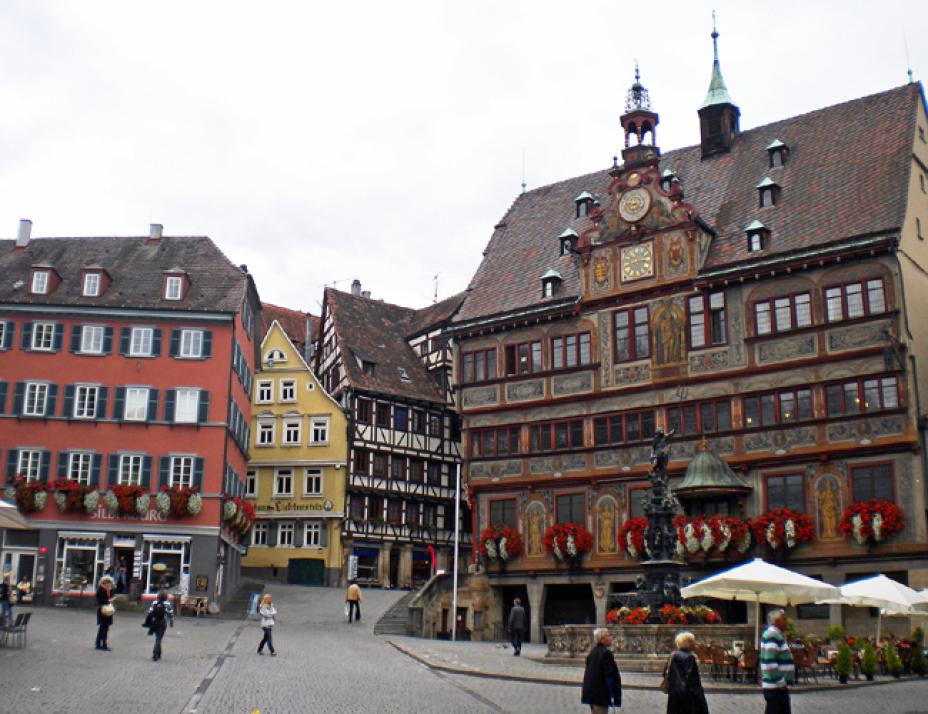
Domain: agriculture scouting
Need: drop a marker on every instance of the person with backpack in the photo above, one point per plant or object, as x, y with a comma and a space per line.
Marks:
268, 617
159, 615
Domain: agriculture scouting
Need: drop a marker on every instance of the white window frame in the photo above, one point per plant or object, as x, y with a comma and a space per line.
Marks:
287, 385
265, 391
141, 341
285, 527
29, 464
39, 282
190, 398
80, 466
312, 534
259, 533
92, 339
43, 337
319, 427
281, 474
173, 287
34, 397
181, 471
316, 476
131, 469
292, 433
190, 339
265, 433
251, 484
144, 393
91, 285
2, 332
86, 400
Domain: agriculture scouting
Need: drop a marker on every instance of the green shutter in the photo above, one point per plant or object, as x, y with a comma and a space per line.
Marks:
112, 474
12, 456
169, 405
62, 464
198, 472
102, 393
156, 342
59, 337
52, 400
164, 471
26, 342
3, 390
76, 337
107, 340
152, 413
146, 472
119, 403
174, 348
68, 410
46, 463
125, 335
95, 470
207, 344
203, 415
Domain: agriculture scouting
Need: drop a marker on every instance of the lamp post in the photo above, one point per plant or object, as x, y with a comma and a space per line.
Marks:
457, 538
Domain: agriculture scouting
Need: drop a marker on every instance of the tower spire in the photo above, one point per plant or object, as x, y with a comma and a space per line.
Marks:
718, 114
718, 92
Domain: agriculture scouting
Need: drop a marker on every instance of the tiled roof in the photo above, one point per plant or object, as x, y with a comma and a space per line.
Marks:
846, 175
135, 267
375, 331
293, 323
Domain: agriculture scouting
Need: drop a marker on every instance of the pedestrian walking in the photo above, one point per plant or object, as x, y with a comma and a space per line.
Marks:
105, 612
121, 584
776, 665
602, 683
6, 597
268, 617
516, 626
685, 694
159, 615
353, 601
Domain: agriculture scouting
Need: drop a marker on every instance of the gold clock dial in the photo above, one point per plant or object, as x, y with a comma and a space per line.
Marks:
634, 204
637, 261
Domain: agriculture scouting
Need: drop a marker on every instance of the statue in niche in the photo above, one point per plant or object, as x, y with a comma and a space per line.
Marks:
828, 509
669, 333
536, 527
607, 542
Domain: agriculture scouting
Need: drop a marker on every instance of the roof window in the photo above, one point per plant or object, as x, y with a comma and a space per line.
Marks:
91, 287
568, 241
550, 283
758, 236
275, 356
404, 376
39, 284
768, 192
777, 152
584, 203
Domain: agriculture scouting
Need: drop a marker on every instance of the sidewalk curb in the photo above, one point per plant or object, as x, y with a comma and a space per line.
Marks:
571, 683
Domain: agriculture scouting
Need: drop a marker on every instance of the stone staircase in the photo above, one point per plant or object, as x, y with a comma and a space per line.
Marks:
394, 621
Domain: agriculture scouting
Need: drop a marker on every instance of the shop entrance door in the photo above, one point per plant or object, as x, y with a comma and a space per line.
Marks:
394, 567
123, 562
305, 571
20, 563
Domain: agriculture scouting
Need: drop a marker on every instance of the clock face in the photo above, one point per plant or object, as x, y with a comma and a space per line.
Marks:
637, 261
634, 204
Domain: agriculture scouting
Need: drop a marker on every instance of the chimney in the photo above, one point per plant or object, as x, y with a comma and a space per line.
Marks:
154, 232
366, 294
25, 231
356, 287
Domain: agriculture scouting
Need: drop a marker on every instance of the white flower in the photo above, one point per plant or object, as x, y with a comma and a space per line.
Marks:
503, 553
60, 500
91, 501
745, 542
772, 535
632, 550
789, 530
557, 551
163, 503
491, 549
692, 545
858, 523
681, 549
110, 500
229, 510
571, 547
194, 504
707, 538
877, 524
40, 499
726, 538
142, 504
9, 493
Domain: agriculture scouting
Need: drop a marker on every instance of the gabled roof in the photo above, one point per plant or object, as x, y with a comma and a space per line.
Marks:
293, 322
376, 332
839, 156
136, 268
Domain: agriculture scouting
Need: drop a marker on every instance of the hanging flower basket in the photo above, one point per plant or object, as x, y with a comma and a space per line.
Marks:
568, 541
782, 529
126, 499
714, 536
112, 502
871, 522
194, 504
249, 516
500, 543
143, 504
229, 509
30, 496
91, 502
633, 538
174, 500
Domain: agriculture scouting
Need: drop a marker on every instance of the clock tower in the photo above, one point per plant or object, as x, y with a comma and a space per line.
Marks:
639, 123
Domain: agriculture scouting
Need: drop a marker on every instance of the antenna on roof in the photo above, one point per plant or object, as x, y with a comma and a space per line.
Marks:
908, 63
523, 170
435, 294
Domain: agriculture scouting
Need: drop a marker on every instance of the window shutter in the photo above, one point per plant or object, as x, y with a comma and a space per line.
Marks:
156, 342
298, 530
119, 403
207, 343
203, 415
46, 463
52, 400
107, 340
26, 342
8, 332
76, 337
68, 410
324, 534
272, 534
19, 394
175, 343
146, 472
3, 390
164, 470
102, 393
152, 413
95, 470
59, 337
169, 405
62, 464
198, 472
125, 335
11, 457
112, 476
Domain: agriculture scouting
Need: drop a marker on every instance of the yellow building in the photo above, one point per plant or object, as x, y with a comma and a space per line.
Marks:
296, 474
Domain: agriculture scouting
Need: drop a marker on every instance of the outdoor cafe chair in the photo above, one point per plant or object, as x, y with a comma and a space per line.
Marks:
747, 666
16, 631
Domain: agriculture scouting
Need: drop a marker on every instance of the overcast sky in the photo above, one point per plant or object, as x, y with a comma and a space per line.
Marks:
324, 141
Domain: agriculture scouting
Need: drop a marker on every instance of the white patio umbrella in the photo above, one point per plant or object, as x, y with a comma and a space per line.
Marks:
878, 591
10, 517
760, 582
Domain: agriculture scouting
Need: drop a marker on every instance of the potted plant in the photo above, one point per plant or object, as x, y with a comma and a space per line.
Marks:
918, 663
782, 529
632, 538
872, 522
843, 664
30, 496
568, 541
835, 633
893, 662
500, 543
868, 661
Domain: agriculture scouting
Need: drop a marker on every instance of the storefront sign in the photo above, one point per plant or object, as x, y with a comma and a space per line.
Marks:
137, 563
291, 507
104, 514
202, 583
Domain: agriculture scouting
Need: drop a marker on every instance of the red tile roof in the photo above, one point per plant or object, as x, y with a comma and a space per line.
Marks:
846, 175
293, 323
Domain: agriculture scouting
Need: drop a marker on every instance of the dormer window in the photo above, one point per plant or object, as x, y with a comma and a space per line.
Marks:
777, 152
404, 375
767, 190
757, 236
550, 283
367, 367
275, 356
39, 284
91, 284
667, 179
568, 240
173, 287
584, 203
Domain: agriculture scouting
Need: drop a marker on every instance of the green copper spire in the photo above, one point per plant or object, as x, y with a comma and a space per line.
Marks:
718, 92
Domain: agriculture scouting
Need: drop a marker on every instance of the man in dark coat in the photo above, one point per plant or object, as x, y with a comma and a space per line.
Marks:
602, 683
516, 626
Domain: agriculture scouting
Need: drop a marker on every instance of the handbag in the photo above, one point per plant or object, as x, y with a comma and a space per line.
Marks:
347, 610
107, 610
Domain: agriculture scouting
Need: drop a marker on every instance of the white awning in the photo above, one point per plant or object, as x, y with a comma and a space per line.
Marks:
166, 538
81, 535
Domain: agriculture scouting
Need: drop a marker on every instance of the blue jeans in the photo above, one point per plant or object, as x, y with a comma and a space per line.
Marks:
159, 633
354, 610
8, 611
268, 639
777, 701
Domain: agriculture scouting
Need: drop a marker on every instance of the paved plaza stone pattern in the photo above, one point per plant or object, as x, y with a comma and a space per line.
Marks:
324, 665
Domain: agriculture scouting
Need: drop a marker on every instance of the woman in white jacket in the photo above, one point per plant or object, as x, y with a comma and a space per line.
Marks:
268, 615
